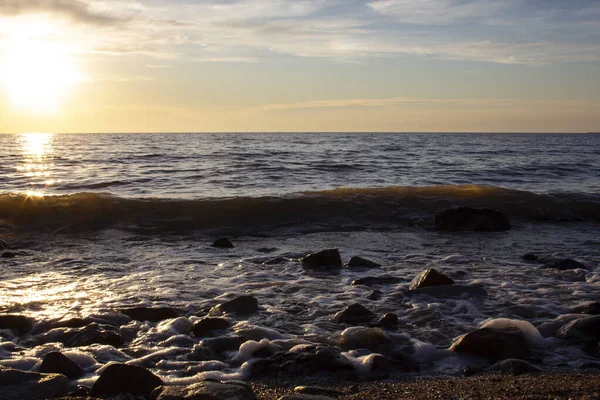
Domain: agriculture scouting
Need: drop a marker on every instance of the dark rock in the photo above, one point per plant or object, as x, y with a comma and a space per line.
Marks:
550, 328
377, 280
361, 262
382, 366
213, 348
19, 385
592, 308
19, 323
55, 362
450, 291
589, 365
223, 243
206, 390
361, 337
323, 258
80, 391
375, 295
152, 314
8, 254
471, 219
513, 366
3, 244
530, 257
430, 277
388, 321
584, 330
498, 344
354, 314
206, 326
318, 391
88, 335
241, 305
125, 379
565, 264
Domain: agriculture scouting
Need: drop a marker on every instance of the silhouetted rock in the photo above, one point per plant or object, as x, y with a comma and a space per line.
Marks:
513, 366
207, 390
361, 262
388, 321
223, 243
430, 277
354, 314
323, 258
125, 379
152, 314
564, 264
584, 330
18, 323
497, 344
19, 385
206, 326
471, 219
240, 305
377, 280
449, 291
8, 254
57, 363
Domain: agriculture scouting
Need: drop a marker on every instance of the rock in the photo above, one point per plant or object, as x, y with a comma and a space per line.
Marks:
240, 305
550, 328
85, 336
498, 344
530, 257
223, 243
213, 348
356, 262
592, 308
207, 390
377, 280
323, 258
55, 362
19, 385
361, 337
125, 379
318, 391
382, 366
450, 291
471, 219
584, 330
564, 264
8, 254
19, 323
430, 277
513, 366
354, 314
80, 391
208, 325
3, 244
375, 295
388, 321
152, 314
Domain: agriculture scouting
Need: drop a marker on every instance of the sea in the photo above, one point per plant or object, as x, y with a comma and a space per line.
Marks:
97, 223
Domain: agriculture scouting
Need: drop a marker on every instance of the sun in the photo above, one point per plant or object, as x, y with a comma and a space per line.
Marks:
37, 73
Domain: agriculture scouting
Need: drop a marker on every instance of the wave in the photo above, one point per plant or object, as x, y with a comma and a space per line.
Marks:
338, 209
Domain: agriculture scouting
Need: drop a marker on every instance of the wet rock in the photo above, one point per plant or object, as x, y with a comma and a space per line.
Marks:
450, 291
8, 254
240, 305
592, 308
318, 391
213, 348
513, 366
152, 314
377, 280
382, 367
354, 314
208, 325
323, 258
497, 344
564, 264
530, 257
207, 390
55, 362
388, 321
550, 328
115, 319
223, 243
375, 295
361, 337
85, 336
357, 262
430, 277
18, 323
125, 379
19, 385
3, 244
80, 391
471, 219
584, 330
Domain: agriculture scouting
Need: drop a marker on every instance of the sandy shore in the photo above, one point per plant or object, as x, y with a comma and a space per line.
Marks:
545, 386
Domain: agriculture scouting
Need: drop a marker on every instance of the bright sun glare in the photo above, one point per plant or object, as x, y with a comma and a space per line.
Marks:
36, 73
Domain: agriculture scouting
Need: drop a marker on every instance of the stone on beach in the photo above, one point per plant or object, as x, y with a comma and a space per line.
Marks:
388, 321
492, 343
471, 219
564, 264
206, 390
208, 325
584, 330
430, 277
361, 337
354, 314
323, 258
125, 379
357, 262
19, 385
223, 243
19, 323
241, 305
151, 314
58, 363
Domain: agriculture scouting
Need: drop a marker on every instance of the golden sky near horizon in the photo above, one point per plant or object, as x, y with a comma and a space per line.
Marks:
284, 65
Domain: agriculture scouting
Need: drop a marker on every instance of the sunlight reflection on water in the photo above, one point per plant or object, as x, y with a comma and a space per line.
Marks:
37, 155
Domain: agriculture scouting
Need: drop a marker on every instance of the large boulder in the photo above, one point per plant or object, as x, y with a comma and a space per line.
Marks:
57, 363
18, 323
471, 219
207, 390
19, 385
125, 379
241, 305
448, 292
323, 258
430, 277
357, 262
584, 330
497, 344
152, 314
354, 314
565, 264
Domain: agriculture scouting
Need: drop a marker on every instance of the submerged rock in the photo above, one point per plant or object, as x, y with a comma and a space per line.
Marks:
354, 314
85, 336
206, 390
356, 262
18, 323
55, 362
19, 385
213, 348
584, 330
375, 295
449, 291
564, 264
125, 379
152, 314
223, 243
208, 325
323, 258
492, 343
430, 277
241, 305
377, 280
471, 219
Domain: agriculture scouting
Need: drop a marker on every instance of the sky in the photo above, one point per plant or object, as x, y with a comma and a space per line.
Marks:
298, 65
